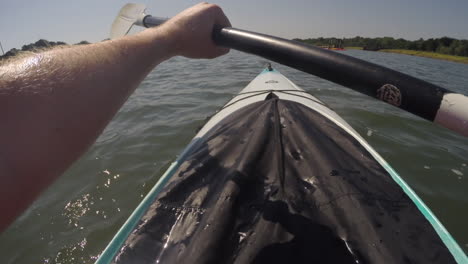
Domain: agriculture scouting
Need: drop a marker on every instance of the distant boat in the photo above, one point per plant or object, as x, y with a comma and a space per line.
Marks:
334, 45
336, 48
331, 48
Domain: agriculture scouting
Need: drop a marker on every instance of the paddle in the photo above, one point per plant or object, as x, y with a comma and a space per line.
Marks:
416, 96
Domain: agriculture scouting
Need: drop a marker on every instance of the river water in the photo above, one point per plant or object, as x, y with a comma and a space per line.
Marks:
77, 216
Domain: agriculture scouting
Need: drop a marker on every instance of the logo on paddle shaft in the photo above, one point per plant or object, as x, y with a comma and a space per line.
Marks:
390, 94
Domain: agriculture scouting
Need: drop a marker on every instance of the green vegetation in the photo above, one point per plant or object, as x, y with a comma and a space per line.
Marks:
445, 45
39, 45
428, 54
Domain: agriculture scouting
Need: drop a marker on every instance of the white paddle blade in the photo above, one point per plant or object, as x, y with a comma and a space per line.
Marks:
128, 15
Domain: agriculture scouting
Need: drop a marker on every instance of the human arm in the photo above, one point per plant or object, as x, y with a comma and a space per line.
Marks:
54, 105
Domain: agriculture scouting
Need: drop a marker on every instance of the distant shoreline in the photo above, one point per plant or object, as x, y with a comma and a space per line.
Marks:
425, 54
38, 46
444, 48
44, 45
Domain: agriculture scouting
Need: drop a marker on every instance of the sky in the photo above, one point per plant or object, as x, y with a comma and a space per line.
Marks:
26, 21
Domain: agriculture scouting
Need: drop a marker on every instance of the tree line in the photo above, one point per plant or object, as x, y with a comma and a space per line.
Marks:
40, 44
444, 45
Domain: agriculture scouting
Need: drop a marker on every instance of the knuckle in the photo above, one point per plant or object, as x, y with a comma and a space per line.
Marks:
215, 8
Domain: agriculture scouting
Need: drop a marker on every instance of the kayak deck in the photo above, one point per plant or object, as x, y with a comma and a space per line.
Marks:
258, 89
276, 176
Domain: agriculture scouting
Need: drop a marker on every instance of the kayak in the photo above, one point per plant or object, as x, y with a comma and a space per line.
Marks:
276, 176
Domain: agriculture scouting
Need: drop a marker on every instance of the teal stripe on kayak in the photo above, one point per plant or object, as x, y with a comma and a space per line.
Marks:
444, 235
447, 239
116, 243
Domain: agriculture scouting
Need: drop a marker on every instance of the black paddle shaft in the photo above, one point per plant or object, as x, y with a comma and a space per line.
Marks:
406, 92
411, 94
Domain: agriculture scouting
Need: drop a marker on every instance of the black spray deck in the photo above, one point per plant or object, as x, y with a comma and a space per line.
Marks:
277, 182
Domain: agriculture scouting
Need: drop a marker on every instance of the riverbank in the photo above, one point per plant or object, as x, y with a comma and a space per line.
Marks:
432, 55
427, 54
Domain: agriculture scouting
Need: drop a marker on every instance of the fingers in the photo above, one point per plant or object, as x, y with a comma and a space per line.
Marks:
220, 20
192, 30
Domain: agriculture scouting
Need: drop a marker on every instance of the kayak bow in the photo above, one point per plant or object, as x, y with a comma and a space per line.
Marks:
277, 176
